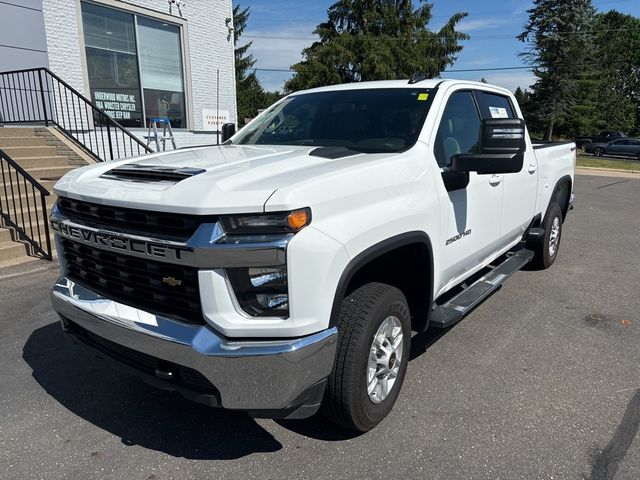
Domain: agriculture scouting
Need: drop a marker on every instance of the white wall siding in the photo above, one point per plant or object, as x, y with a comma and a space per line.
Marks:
63, 41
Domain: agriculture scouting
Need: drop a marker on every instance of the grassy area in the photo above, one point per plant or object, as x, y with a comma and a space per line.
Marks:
588, 161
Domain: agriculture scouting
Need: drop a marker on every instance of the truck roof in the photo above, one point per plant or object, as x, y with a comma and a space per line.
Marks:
429, 83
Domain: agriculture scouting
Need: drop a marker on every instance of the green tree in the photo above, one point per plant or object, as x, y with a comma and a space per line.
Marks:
376, 40
561, 33
617, 99
249, 93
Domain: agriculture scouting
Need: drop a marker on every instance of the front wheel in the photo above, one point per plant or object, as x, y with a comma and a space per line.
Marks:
598, 152
546, 249
374, 330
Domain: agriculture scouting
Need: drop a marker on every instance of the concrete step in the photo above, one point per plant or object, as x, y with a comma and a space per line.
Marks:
48, 184
16, 212
35, 162
10, 235
23, 141
14, 251
48, 173
18, 152
28, 264
26, 198
17, 132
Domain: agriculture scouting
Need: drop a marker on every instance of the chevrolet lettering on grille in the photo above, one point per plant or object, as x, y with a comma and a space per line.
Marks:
121, 243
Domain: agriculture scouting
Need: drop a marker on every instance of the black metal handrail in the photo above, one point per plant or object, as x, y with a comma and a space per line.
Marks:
23, 206
38, 95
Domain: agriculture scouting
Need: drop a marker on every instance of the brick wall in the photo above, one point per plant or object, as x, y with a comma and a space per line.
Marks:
209, 45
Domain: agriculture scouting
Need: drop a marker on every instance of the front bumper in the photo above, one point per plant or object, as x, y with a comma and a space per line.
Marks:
261, 376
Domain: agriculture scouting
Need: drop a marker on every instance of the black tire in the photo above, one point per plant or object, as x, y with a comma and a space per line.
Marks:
347, 401
543, 257
598, 152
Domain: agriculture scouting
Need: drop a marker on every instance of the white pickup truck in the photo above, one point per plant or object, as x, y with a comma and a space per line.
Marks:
284, 270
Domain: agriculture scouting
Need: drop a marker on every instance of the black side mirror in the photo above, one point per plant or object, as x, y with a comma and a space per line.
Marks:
228, 131
501, 149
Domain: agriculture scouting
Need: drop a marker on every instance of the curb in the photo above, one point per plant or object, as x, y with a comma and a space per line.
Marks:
602, 169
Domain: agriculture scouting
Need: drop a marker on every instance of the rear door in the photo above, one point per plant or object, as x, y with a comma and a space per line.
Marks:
470, 215
520, 189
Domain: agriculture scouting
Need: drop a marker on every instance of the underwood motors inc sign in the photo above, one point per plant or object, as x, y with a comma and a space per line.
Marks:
213, 120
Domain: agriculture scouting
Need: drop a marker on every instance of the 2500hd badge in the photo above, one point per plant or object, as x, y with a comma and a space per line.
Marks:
466, 233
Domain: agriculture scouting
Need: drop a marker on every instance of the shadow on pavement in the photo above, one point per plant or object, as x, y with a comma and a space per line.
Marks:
136, 412
142, 415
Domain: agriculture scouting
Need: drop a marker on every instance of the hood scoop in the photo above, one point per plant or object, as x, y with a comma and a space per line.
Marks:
151, 173
333, 153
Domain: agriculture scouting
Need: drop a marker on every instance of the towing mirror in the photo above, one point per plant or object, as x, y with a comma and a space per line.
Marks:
501, 149
228, 131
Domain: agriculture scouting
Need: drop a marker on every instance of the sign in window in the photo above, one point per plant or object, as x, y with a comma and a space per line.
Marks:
134, 65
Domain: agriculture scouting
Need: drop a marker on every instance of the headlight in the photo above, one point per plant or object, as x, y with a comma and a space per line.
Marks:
281, 222
261, 292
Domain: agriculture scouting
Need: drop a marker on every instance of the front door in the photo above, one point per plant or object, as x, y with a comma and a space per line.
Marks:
521, 188
470, 216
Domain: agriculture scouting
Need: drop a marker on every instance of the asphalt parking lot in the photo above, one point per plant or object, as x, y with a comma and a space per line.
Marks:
541, 381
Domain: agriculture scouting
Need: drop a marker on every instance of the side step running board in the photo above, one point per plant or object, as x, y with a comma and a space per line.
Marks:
456, 308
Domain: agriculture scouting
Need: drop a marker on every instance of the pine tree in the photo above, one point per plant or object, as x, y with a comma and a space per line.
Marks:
376, 40
560, 32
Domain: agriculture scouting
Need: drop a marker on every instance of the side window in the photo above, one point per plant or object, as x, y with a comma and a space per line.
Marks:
459, 130
494, 106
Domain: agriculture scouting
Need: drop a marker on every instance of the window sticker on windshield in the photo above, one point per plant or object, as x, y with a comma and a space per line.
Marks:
423, 97
498, 112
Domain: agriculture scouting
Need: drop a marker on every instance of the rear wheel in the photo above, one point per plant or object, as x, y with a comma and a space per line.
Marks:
598, 152
546, 249
371, 359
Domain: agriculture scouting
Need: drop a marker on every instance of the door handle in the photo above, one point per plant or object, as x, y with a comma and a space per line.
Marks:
495, 180
532, 168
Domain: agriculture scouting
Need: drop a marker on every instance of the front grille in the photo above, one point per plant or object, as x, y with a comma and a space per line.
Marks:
169, 226
136, 282
184, 376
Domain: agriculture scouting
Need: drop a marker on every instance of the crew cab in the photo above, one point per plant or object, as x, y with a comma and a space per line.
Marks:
283, 271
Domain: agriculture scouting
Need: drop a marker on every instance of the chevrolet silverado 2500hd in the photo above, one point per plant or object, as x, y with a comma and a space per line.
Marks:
284, 270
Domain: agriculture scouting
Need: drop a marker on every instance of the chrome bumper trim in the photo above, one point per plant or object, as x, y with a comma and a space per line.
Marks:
209, 247
250, 375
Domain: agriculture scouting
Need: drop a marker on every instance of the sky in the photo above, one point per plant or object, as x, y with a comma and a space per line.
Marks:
281, 29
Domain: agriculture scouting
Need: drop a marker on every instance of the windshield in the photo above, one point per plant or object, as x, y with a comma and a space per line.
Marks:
370, 121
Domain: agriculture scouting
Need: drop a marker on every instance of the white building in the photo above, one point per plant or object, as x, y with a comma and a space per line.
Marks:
136, 59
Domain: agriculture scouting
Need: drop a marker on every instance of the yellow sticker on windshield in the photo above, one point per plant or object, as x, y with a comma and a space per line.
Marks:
423, 97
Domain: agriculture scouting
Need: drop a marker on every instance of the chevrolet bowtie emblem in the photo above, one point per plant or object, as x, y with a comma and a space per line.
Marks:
172, 282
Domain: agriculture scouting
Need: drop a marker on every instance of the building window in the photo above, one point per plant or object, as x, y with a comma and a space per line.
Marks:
134, 65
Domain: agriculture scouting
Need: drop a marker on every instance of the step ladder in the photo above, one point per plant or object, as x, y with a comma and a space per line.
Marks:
453, 310
167, 133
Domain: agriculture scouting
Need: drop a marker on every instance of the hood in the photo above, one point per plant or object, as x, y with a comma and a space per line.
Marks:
210, 180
